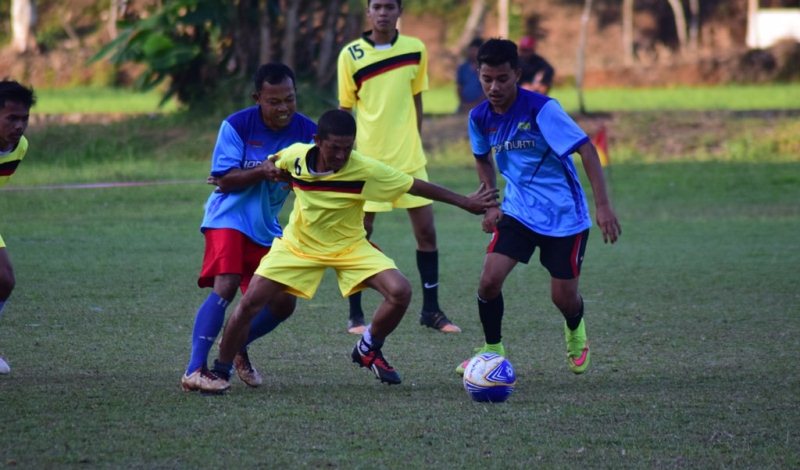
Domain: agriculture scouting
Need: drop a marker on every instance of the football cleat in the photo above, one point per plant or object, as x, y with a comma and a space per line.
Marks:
245, 370
486, 348
577, 348
4, 367
204, 380
375, 361
438, 321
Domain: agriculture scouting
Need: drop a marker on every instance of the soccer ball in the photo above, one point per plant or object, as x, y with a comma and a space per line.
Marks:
489, 377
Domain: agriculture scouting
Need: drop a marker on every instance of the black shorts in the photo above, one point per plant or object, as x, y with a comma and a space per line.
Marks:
562, 256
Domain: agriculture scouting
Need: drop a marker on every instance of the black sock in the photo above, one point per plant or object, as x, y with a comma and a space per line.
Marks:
428, 265
222, 369
356, 312
491, 313
574, 321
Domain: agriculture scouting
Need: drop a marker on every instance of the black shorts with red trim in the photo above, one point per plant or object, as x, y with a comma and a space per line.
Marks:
561, 256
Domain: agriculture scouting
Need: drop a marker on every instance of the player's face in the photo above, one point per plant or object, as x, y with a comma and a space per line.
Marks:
499, 84
334, 150
383, 15
278, 103
13, 122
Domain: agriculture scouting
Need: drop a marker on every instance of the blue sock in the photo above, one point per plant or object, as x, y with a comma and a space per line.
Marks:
207, 325
262, 324
2, 304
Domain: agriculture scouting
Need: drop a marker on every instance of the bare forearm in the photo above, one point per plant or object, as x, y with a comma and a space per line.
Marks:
594, 171
236, 180
418, 107
437, 193
486, 174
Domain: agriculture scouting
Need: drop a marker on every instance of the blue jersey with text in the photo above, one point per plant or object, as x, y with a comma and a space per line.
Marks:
532, 144
244, 142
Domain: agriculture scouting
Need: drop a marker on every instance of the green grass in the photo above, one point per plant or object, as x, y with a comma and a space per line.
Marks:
443, 100
692, 317
92, 100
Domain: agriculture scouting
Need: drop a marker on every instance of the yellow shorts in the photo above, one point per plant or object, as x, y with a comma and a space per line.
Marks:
406, 201
302, 274
2, 243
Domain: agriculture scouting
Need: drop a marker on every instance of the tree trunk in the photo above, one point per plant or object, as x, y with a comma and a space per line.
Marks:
627, 31
680, 21
326, 63
473, 26
694, 25
587, 11
290, 33
116, 10
264, 33
502, 18
23, 17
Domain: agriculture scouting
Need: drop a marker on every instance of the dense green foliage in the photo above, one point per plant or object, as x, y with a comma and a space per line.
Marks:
180, 42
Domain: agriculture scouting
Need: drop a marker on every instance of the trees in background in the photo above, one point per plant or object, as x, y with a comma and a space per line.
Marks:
195, 46
23, 18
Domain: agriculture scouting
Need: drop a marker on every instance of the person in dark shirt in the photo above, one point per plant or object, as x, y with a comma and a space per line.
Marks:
537, 73
470, 93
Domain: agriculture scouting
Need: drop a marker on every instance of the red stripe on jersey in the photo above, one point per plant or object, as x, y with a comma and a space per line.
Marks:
351, 187
388, 68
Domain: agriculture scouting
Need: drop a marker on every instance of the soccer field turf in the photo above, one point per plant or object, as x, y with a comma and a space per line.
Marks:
692, 317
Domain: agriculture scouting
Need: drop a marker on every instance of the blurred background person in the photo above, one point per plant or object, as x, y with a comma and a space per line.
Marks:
470, 93
537, 73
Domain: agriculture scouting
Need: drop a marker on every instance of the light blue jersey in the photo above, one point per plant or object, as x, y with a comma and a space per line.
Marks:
244, 142
533, 143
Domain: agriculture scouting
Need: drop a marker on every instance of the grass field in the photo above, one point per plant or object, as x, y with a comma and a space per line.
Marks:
441, 99
692, 315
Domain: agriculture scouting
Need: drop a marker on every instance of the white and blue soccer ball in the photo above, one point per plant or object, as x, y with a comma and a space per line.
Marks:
489, 377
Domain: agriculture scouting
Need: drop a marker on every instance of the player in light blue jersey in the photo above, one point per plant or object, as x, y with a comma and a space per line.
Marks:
531, 139
241, 217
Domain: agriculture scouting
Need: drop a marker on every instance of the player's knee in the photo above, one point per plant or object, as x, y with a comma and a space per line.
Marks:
568, 304
489, 287
426, 237
283, 306
399, 294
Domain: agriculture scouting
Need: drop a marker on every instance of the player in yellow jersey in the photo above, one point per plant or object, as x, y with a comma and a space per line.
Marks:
381, 77
15, 105
331, 182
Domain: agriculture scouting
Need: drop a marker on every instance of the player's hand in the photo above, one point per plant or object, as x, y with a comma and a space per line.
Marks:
490, 219
482, 199
273, 173
608, 223
212, 180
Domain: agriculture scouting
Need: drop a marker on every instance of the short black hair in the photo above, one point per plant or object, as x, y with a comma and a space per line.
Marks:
273, 73
497, 52
336, 122
11, 90
476, 42
399, 3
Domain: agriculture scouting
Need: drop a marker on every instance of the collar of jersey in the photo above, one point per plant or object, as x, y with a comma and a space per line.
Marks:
367, 34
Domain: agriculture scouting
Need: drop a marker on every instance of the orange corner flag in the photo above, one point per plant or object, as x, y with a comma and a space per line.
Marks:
600, 141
